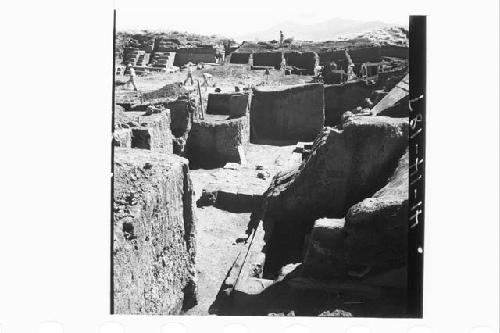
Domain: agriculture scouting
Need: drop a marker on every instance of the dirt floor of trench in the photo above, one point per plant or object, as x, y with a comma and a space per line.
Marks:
218, 230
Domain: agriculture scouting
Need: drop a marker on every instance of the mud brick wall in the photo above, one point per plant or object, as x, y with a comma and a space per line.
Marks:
340, 98
230, 104
289, 113
267, 59
239, 58
394, 51
344, 167
153, 234
213, 144
303, 60
194, 55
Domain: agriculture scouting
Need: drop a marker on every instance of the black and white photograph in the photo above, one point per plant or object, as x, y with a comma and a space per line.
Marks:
239, 167
265, 174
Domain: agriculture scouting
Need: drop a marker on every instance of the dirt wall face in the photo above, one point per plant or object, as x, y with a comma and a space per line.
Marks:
170, 90
181, 112
340, 98
303, 60
194, 55
338, 57
376, 228
365, 54
240, 57
153, 234
344, 167
230, 104
396, 102
289, 113
213, 144
136, 130
373, 234
267, 59
394, 51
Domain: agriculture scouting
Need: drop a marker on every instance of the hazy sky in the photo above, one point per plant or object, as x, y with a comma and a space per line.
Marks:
235, 18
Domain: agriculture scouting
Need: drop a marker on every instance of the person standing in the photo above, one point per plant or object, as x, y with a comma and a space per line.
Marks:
132, 76
207, 80
189, 75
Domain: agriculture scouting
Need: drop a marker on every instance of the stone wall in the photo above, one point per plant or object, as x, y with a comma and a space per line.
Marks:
287, 113
344, 167
267, 59
153, 234
212, 144
230, 104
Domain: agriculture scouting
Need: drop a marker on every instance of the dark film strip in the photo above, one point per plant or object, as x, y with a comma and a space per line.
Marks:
111, 305
417, 103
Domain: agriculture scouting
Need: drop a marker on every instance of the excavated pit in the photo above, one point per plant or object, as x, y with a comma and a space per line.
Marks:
213, 142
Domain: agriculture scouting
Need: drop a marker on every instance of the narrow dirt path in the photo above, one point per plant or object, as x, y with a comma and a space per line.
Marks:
217, 231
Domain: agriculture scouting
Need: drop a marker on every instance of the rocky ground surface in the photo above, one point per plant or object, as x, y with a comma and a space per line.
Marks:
224, 78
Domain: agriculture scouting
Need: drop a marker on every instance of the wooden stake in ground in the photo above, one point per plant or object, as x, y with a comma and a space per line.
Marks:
202, 113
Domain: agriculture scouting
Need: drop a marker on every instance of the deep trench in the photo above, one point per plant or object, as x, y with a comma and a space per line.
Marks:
282, 247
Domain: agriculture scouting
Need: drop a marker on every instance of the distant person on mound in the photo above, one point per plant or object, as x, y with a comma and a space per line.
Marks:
266, 74
207, 78
132, 76
189, 76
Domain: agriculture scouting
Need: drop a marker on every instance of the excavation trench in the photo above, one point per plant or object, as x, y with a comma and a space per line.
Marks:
264, 169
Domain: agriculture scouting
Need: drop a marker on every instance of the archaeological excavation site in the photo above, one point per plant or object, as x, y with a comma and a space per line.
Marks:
260, 178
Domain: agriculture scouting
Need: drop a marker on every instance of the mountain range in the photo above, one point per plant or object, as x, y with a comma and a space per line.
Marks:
327, 30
